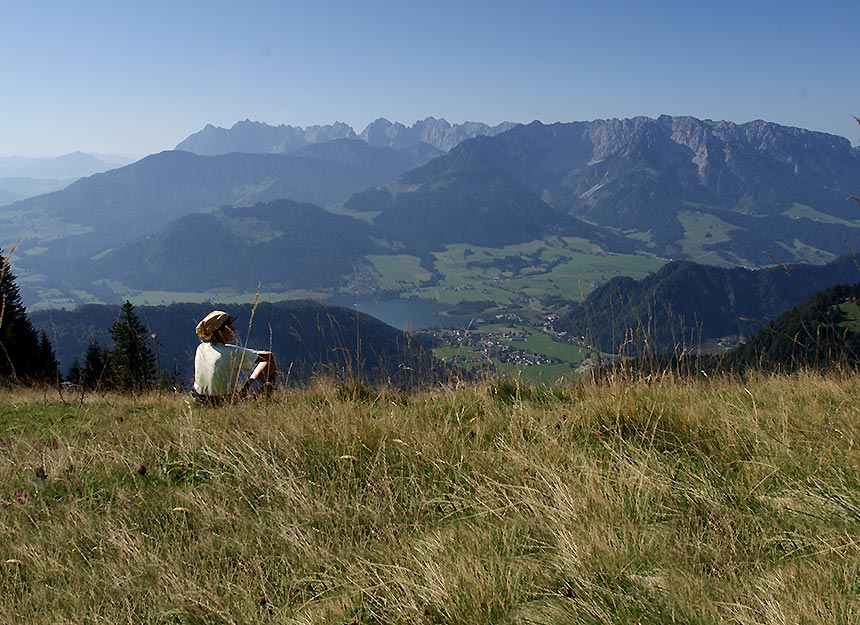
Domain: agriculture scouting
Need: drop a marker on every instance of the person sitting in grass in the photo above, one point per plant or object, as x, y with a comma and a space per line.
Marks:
219, 364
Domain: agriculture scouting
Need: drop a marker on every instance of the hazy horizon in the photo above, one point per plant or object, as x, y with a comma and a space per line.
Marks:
131, 80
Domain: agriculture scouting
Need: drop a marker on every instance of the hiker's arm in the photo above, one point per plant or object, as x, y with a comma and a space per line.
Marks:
266, 368
261, 356
265, 356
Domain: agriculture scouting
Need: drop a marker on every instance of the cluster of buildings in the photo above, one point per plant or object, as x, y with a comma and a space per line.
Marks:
489, 345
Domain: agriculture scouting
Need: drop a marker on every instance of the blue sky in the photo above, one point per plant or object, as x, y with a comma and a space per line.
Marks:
137, 78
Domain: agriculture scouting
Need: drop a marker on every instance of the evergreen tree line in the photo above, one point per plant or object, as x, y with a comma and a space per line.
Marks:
28, 358
129, 365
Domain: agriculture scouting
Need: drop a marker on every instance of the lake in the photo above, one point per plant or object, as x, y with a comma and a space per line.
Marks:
403, 314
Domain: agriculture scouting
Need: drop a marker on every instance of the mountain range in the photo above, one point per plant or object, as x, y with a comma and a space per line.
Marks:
692, 188
72, 165
676, 187
58, 230
261, 138
14, 189
23, 177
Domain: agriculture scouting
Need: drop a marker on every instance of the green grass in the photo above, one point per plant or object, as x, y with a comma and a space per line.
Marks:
803, 211
399, 271
542, 374
564, 267
701, 229
543, 343
808, 254
851, 310
661, 501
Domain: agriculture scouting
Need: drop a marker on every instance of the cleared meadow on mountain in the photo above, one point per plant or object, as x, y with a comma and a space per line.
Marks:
629, 500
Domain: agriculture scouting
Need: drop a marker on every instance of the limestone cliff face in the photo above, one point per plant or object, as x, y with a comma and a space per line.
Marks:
260, 138
436, 132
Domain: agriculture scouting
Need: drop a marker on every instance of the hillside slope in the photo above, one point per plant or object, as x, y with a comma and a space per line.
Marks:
685, 304
97, 213
277, 244
707, 501
821, 333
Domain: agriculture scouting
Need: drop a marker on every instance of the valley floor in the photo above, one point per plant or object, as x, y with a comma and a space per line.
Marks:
625, 501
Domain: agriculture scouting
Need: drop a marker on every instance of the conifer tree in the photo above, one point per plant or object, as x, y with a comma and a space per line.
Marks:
94, 366
131, 363
46, 368
19, 343
76, 373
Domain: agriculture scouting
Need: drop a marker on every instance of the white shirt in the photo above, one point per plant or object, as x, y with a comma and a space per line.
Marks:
217, 368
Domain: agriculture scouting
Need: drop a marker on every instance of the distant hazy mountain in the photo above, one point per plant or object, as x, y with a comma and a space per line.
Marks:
260, 138
107, 210
7, 196
22, 188
74, 165
277, 243
685, 304
682, 186
436, 132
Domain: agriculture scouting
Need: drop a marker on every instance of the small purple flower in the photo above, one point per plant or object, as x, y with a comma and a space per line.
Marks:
21, 496
141, 469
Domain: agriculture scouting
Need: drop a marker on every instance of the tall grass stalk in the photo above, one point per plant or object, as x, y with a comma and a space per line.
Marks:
630, 500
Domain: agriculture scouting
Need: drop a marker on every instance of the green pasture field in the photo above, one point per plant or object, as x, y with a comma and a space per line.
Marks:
851, 310
543, 343
365, 216
399, 271
554, 266
808, 254
460, 356
541, 374
697, 227
803, 211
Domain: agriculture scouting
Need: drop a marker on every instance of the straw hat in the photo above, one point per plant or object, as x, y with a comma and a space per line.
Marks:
213, 322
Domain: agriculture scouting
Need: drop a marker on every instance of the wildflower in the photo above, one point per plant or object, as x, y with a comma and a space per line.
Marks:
141, 469
21, 496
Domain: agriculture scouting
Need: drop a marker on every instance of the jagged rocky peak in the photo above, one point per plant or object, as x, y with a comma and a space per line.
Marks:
383, 133
337, 130
259, 137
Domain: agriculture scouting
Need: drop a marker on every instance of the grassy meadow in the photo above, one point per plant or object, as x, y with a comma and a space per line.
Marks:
621, 501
